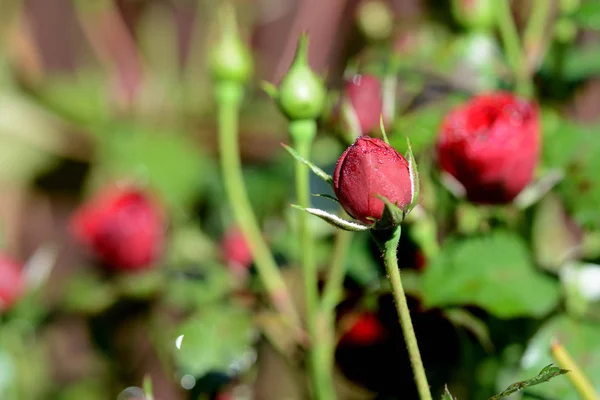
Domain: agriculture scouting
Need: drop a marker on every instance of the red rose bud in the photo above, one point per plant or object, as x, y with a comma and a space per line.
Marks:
123, 227
491, 146
366, 330
368, 168
235, 249
361, 104
11, 282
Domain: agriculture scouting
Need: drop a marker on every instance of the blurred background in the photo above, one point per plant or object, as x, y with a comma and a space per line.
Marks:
97, 93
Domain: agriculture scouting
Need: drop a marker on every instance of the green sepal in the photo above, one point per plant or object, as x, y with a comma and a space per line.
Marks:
414, 178
392, 215
318, 171
327, 196
383, 133
334, 220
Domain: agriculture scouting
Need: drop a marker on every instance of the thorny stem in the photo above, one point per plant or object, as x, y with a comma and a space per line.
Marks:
303, 133
229, 96
388, 241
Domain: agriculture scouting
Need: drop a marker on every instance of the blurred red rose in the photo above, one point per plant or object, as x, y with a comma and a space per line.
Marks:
366, 330
123, 227
368, 168
235, 249
361, 105
491, 146
11, 282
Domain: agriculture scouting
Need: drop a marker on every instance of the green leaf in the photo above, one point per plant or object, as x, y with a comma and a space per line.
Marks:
471, 323
545, 375
581, 187
493, 272
554, 241
588, 15
87, 293
142, 285
198, 285
580, 338
83, 98
219, 338
447, 395
169, 162
577, 63
561, 139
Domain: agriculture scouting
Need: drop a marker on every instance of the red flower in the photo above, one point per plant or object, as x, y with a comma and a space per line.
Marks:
235, 249
491, 146
123, 227
361, 104
11, 282
368, 168
366, 330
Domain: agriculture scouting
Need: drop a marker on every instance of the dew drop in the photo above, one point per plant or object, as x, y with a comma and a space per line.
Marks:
178, 342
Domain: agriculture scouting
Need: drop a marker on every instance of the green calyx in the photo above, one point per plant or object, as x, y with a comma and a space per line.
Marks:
301, 94
230, 59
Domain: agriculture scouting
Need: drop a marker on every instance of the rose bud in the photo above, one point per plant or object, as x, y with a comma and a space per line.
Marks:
361, 105
235, 249
366, 330
123, 227
491, 146
11, 282
368, 168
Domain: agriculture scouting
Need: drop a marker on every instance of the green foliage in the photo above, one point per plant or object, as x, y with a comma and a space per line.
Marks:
547, 373
215, 339
86, 292
553, 240
195, 285
582, 341
588, 15
447, 395
493, 272
168, 161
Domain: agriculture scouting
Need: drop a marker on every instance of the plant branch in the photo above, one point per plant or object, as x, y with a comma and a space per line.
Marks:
229, 96
388, 241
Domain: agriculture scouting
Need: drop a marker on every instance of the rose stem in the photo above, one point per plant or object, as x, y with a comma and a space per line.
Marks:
303, 133
229, 97
576, 376
388, 241
512, 48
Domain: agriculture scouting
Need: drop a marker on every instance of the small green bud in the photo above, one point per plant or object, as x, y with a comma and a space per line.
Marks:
301, 94
475, 14
375, 19
230, 59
